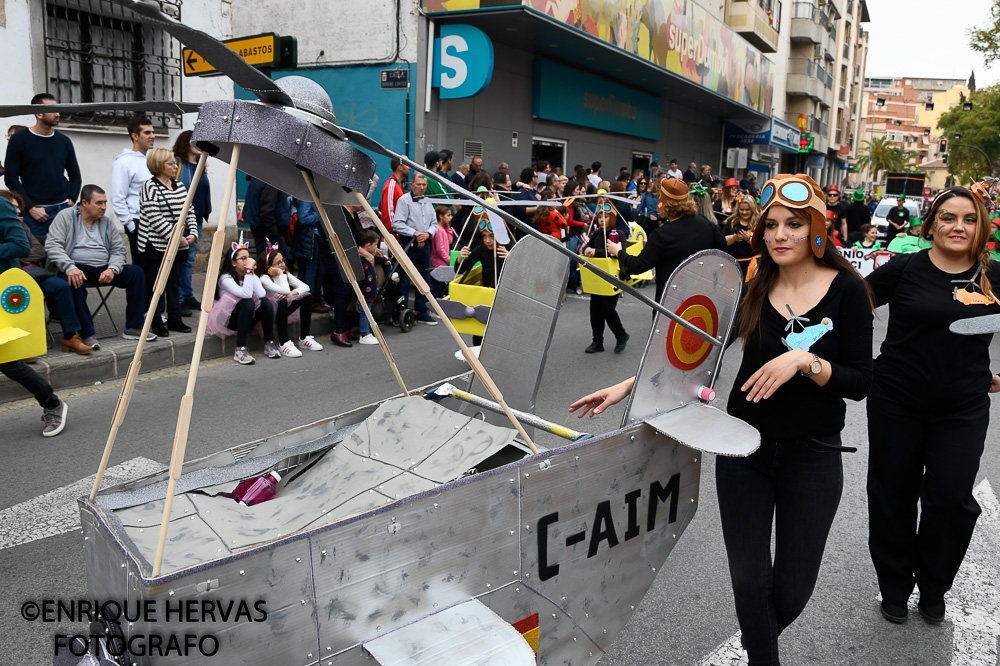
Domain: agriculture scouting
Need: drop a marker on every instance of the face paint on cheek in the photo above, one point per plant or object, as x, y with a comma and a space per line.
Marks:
767, 238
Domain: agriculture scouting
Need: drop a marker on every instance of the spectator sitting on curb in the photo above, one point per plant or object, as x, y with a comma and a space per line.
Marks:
57, 291
87, 250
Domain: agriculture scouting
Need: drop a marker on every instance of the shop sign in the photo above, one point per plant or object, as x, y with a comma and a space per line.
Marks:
463, 61
567, 95
844, 150
678, 36
815, 161
743, 132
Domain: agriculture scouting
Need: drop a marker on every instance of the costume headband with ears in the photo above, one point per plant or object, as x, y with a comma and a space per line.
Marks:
800, 192
239, 246
269, 250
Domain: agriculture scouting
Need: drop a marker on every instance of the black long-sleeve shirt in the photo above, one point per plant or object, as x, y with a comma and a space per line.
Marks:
922, 363
671, 243
42, 169
485, 256
801, 408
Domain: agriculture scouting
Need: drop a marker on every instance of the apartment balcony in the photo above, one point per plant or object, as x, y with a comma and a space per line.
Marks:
808, 77
749, 18
811, 24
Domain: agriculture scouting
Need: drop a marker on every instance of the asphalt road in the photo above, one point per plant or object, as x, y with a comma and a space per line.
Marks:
686, 615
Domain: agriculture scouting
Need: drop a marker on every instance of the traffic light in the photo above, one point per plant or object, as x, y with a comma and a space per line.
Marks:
944, 158
943, 146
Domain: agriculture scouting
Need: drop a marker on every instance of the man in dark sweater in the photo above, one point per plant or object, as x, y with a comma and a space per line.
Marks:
41, 166
858, 215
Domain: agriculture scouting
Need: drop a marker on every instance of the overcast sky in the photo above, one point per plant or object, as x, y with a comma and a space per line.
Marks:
927, 38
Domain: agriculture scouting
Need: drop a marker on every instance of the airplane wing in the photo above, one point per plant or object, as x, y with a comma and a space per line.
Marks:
9, 334
705, 428
976, 325
466, 634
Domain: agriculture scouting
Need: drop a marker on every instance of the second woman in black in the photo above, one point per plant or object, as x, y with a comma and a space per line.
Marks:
929, 408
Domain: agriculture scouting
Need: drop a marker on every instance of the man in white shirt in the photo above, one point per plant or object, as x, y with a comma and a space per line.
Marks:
595, 174
674, 171
128, 173
415, 221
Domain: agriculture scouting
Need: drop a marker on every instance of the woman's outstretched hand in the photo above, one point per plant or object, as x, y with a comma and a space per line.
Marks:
597, 402
995, 384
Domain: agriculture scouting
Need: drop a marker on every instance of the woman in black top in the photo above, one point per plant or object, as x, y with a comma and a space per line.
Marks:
682, 233
791, 386
738, 230
928, 412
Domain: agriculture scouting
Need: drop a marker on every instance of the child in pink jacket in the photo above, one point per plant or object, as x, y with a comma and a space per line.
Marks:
441, 248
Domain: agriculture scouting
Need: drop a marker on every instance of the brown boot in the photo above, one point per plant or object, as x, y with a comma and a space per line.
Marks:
340, 339
318, 305
75, 344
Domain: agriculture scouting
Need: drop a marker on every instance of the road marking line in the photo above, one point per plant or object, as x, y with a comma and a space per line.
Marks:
56, 512
730, 653
973, 605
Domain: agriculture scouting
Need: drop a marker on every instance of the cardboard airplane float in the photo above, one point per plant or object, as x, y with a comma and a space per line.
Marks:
414, 530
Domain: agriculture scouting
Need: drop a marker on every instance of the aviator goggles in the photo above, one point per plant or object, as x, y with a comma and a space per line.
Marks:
791, 193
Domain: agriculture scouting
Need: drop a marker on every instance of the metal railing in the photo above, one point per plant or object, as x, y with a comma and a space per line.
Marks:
96, 51
811, 68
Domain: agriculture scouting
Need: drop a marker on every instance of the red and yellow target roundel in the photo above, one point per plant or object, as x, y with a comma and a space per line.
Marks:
685, 349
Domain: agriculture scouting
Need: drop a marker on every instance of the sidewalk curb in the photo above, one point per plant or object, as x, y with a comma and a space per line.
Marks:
65, 370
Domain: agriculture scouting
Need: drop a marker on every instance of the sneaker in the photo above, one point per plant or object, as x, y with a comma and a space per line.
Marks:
368, 339
427, 319
185, 311
192, 302
620, 343
271, 350
75, 344
309, 342
594, 347
931, 611
136, 334
290, 350
55, 420
91, 341
895, 613
243, 357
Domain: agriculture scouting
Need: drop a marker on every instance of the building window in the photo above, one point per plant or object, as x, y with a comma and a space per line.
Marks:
96, 51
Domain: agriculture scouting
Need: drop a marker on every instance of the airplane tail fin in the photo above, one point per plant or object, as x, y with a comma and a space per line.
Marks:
677, 374
523, 321
22, 316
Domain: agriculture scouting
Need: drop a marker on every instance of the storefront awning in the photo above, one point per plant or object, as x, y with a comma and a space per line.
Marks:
728, 78
767, 132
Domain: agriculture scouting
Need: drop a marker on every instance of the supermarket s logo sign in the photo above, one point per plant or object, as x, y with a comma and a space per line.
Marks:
463, 61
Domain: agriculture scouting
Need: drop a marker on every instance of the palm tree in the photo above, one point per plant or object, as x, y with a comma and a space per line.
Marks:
880, 155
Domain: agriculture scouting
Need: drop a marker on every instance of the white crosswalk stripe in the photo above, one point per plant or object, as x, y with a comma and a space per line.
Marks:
56, 512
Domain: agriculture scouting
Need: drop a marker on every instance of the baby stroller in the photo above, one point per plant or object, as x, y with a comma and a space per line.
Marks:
386, 308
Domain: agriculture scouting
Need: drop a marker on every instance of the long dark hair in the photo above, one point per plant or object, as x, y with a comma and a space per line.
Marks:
984, 230
748, 318
182, 146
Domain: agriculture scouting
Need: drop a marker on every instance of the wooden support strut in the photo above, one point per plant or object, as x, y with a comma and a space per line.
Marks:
161, 281
421, 285
338, 249
187, 402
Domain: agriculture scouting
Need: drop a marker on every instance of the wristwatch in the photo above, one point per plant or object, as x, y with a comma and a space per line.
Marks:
814, 368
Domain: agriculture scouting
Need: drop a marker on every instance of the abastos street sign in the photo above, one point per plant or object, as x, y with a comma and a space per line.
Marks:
258, 50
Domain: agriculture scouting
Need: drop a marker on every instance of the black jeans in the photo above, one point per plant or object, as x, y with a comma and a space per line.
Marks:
603, 309
19, 372
931, 456
152, 259
304, 306
798, 485
244, 316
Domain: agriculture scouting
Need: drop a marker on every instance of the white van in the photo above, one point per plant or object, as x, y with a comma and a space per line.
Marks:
883, 208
